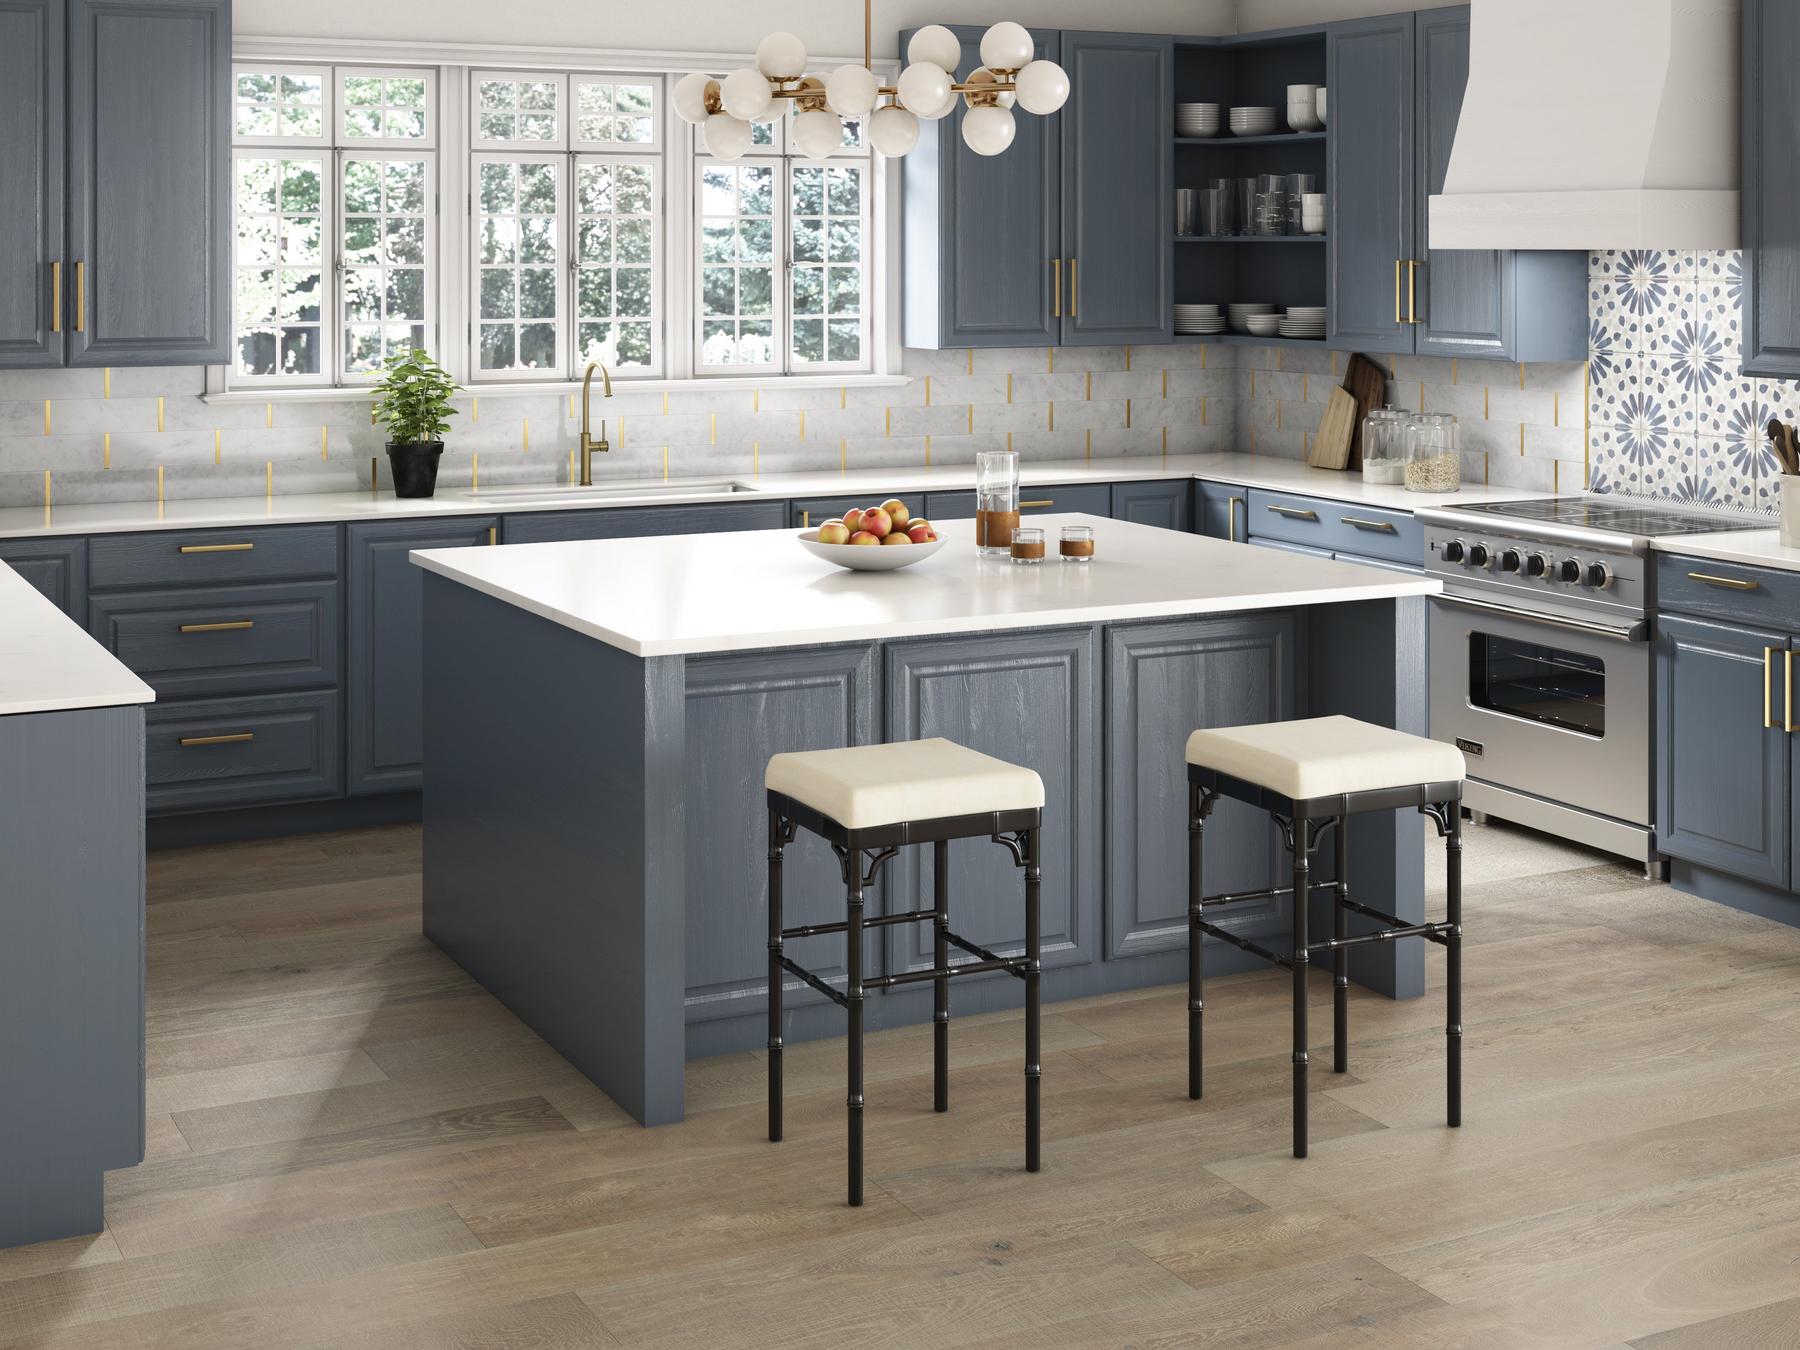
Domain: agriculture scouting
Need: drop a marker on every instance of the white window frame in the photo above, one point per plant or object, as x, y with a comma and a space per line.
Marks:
340, 131
558, 372
661, 111
413, 150
660, 336
321, 73
324, 378
479, 143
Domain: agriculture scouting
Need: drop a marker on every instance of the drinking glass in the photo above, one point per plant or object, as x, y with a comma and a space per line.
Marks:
996, 501
1028, 545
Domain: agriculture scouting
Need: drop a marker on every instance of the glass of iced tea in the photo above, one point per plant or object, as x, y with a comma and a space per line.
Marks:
1076, 544
1028, 544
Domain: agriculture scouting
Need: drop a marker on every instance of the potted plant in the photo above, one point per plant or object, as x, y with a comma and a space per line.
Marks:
415, 395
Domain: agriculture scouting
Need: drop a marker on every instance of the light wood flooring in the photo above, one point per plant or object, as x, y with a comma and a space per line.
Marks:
352, 1146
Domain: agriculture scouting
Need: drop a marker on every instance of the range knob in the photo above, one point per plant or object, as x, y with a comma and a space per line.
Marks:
1569, 569
1599, 575
1537, 565
1510, 560
1454, 549
1479, 555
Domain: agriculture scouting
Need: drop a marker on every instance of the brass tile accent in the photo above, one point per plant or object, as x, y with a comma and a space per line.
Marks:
843, 396
1521, 438
475, 408
1088, 449
1165, 442
159, 413
375, 477
1484, 402
887, 421
1051, 425
46, 417
1165, 383
1521, 374
803, 424
106, 451
1334, 363
269, 478
268, 414
971, 360
475, 472
712, 428
159, 484
755, 458
1305, 387
1008, 398
1203, 410
665, 403
106, 382
571, 468
1556, 475
1089, 392
1278, 425
371, 414
665, 464
1009, 440
1421, 396
843, 454
525, 436
571, 405
619, 431
46, 489
1453, 370
219, 446
1128, 412
324, 442
1203, 358
1280, 359
928, 388
1252, 381
1050, 362
1128, 358
756, 400
971, 419
928, 438
1556, 407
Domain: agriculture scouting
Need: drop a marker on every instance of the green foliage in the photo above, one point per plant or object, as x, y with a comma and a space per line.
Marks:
415, 398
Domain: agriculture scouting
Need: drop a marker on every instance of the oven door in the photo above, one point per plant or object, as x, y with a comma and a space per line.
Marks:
1552, 706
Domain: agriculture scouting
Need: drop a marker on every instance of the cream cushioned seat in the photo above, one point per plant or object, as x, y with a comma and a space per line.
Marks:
861, 786
1324, 756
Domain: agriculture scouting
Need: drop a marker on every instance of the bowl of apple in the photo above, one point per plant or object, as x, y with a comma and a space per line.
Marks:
874, 538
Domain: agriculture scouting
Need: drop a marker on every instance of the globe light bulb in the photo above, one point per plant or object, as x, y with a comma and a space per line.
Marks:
982, 75
936, 45
893, 131
781, 56
689, 96
1043, 87
1006, 46
746, 95
816, 133
925, 90
727, 137
988, 131
851, 90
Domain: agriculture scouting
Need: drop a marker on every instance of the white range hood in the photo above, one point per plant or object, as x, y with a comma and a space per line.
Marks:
1595, 124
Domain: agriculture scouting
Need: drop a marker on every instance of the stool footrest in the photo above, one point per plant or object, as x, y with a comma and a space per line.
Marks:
1272, 893
793, 967
879, 921
1434, 932
1012, 965
1254, 948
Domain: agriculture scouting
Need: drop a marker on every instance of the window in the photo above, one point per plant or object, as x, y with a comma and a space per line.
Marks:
336, 218
783, 252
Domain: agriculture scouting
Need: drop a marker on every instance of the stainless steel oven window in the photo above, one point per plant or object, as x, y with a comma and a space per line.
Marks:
1538, 683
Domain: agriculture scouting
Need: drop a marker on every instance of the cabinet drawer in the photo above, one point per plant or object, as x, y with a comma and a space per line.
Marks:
1094, 499
224, 639
812, 512
1338, 526
203, 557
1721, 590
240, 751
629, 522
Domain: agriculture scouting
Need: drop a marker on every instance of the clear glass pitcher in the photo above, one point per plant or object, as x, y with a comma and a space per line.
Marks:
996, 501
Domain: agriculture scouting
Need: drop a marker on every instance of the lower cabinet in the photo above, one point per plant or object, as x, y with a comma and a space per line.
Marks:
1282, 547
385, 622
626, 522
811, 512
1221, 511
1166, 505
242, 751
56, 567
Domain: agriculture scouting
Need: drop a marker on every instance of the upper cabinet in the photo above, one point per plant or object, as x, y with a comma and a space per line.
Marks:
115, 115
1062, 240
1770, 189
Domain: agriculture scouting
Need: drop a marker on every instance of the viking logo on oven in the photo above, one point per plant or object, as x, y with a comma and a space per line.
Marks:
1468, 747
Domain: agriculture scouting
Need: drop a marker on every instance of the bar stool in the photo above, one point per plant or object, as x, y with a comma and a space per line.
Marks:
929, 791
1311, 775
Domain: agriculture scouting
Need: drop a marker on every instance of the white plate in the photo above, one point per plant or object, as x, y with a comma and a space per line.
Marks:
866, 557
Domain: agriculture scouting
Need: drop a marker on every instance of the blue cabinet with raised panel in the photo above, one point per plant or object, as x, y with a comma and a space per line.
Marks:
56, 567
626, 522
1770, 201
32, 171
1166, 505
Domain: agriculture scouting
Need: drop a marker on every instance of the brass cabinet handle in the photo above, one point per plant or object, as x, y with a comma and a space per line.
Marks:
1231, 510
1412, 296
1294, 513
233, 626
217, 548
1056, 288
1731, 583
493, 535
81, 297
1041, 502
1787, 681
1397, 265
1768, 710
1074, 288
231, 739
805, 519
1379, 526
56, 297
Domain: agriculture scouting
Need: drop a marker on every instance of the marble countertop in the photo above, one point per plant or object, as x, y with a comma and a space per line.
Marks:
48, 663
690, 594
25, 522
1754, 548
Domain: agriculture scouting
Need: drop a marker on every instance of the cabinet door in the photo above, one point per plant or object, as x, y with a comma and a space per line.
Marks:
1721, 770
1160, 504
980, 233
631, 522
1770, 150
149, 182
386, 623
57, 567
31, 168
1223, 510
1370, 177
1117, 169
1464, 297
811, 512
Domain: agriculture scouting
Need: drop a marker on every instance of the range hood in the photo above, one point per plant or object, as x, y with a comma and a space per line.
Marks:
1595, 124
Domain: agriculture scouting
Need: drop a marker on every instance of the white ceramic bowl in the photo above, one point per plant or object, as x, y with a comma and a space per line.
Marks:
1263, 325
866, 557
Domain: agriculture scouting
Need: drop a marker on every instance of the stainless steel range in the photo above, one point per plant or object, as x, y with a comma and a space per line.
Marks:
1540, 658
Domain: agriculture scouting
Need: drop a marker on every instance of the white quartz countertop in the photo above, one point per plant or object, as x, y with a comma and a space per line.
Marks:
690, 594
48, 663
1261, 471
1755, 548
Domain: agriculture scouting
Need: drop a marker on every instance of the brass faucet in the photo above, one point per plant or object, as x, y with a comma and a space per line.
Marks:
588, 443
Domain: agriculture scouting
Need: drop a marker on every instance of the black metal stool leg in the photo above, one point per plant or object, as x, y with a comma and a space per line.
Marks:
1453, 960
1340, 975
776, 975
1033, 1010
940, 1009
1196, 939
1302, 890
855, 962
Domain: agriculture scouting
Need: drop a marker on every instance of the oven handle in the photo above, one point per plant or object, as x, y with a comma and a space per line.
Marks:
1637, 632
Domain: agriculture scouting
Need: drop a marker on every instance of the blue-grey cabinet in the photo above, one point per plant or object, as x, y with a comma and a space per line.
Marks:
56, 567
628, 522
1722, 754
385, 611
1220, 511
148, 272
811, 512
1769, 147
1166, 505
32, 170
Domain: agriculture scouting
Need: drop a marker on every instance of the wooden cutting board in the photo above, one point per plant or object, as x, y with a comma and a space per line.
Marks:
1331, 443
1367, 383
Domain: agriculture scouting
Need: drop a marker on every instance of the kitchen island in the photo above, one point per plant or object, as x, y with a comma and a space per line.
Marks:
598, 714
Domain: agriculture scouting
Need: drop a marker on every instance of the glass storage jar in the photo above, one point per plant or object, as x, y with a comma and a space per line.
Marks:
1383, 446
1432, 461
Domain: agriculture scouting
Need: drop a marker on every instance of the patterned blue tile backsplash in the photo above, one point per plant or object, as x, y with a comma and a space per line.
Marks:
1669, 413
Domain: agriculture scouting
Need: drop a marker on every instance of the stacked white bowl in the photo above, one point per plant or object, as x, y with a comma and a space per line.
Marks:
1303, 321
1196, 119
1198, 319
1252, 121
1302, 107
1263, 325
1241, 314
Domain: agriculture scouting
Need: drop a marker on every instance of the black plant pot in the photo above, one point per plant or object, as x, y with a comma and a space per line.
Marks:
415, 467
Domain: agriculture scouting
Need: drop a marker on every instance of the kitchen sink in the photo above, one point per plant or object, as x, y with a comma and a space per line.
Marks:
568, 492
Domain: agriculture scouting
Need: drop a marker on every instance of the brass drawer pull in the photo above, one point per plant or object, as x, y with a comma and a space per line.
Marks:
1074, 287
81, 297
1731, 583
218, 627
232, 739
1056, 288
1398, 263
1042, 502
1787, 680
1768, 709
1412, 295
1379, 526
217, 548
56, 297
805, 519
1294, 513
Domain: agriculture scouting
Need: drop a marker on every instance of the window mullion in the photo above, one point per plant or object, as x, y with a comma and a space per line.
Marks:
784, 263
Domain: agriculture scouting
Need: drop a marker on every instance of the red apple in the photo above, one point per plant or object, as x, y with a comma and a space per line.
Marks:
920, 532
876, 521
898, 537
863, 537
897, 512
853, 518
834, 532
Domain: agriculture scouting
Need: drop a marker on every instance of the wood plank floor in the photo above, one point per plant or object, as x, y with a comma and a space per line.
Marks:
351, 1145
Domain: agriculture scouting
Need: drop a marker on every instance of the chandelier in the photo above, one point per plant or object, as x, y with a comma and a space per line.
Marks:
927, 88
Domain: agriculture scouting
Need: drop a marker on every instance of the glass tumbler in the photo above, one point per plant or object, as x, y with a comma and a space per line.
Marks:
1076, 544
1028, 544
996, 501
